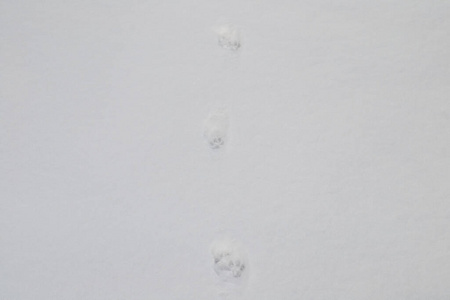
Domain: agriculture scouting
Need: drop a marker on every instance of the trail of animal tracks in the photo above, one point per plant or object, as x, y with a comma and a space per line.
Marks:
224, 150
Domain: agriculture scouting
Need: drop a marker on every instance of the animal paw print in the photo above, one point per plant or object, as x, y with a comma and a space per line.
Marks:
228, 265
216, 142
229, 37
215, 131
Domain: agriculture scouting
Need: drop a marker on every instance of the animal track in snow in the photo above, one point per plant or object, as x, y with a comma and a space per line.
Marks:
229, 37
216, 127
227, 264
216, 140
230, 264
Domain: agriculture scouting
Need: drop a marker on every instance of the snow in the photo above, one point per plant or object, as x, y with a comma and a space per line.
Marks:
332, 180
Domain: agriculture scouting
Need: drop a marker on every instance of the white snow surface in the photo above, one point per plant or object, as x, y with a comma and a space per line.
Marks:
334, 178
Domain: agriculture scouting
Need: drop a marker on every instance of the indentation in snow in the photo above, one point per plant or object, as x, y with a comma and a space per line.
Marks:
230, 264
216, 127
229, 37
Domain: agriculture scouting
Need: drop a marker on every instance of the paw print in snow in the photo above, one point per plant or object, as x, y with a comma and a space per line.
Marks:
229, 37
230, 262
227, 264
216, 127
216, 142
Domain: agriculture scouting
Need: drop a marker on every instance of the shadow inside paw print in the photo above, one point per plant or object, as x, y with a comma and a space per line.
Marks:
216, 142
229, 43
227, 265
